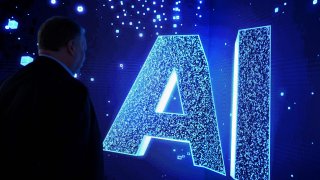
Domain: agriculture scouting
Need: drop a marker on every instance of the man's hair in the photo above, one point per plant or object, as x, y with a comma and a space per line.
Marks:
56, 32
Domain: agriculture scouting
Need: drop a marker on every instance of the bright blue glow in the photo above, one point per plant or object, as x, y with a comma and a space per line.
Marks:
251, 101
234, 108
276, 10
312, 93
53, 2
91, 79
80, 8
315, 2
25, 60
12, 24
172, 60
282, 94
167, 93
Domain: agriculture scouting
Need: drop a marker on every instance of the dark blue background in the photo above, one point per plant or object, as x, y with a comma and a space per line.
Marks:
295, 133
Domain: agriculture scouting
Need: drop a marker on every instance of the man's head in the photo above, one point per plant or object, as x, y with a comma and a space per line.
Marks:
64, 40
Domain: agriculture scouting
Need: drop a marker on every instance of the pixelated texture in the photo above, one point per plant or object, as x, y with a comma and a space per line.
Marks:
137, 116
253, 115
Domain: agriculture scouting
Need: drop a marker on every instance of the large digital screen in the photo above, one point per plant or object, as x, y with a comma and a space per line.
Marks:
191, 89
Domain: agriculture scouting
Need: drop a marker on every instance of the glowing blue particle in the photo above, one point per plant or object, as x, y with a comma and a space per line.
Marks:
312, 93
25, 60
121, 66
179, 157
158, 16
250, 138
276, 10
315, 2
80, 8
75, 75
53, 2
140, 34
112, 7
179, 59
174, 26
291, 176
282, 94
12, 24
117, 31
285, 3
289, 108
91, 79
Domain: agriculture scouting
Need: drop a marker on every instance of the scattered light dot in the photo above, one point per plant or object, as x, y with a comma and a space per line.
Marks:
91, 79
117, 31
140, 34
107, 115
315, 2
282, 94
312, 93
53, 2
292, 175
289, 108
25, 60
80, 8
276, 10
121, 66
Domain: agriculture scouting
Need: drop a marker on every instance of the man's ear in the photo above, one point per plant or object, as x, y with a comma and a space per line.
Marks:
71, 47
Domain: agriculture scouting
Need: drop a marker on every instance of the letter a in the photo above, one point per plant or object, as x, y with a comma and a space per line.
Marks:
173, 60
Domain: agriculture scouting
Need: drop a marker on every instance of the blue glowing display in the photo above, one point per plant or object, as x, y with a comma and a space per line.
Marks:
25, 60
12, 24
173, 61
250, 142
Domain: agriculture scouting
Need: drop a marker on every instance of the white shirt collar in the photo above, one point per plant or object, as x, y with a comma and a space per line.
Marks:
59, 62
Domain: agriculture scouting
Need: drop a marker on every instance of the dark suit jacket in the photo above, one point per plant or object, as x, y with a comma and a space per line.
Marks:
48, 127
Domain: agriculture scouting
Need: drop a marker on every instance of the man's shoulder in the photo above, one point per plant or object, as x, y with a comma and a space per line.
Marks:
44, 75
